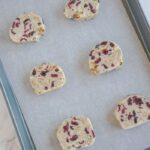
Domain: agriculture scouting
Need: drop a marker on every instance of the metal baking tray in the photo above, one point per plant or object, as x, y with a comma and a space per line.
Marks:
19, 109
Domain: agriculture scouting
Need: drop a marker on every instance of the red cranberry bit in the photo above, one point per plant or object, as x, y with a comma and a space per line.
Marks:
74, 138
123, 109
70, 3
105, 66
85, 5
68, 133
74, 118
98, 60
129, 101
43, 73
34, 72
66, 127
137, 100
99, 53
105, 51
104, 43
86, 130
74, 123
112, 65
78, 3
91, 8
148, 104
93, 134
31, 33
148, 117
46, 88
54, 75
130, 116
112, 44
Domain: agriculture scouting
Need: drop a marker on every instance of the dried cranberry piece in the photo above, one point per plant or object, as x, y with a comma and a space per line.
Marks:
66, 127
112, 65
74, 123
43, 73
119, 107
93, 134
104, 43
98, 60
148, 117
71, 2
86, 130
123, 109
106, 67
112, 44
137, 100
148, 104
74, 118
74, 138
130, 116
46, 88
54, 75
129, 101
78, 3
34, 72
91, 8
105, 51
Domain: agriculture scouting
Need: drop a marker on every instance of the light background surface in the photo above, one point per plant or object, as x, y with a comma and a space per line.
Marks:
68, 43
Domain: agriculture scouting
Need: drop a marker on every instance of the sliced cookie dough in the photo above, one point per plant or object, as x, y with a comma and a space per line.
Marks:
105, 57
46, 77
132, 111
75, 132
27, 27
81, 9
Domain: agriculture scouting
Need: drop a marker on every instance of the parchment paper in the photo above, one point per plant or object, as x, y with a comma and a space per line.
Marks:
68, 43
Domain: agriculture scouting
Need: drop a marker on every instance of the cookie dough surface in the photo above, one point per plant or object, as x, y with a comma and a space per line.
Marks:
75, 132
132, 111
27, 27
46, 77
81, 9
105, 57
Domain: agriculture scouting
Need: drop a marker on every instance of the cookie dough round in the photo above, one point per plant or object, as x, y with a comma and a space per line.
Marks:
75, 132
46, 77
105, 57
132, 111
27, 27
81, 9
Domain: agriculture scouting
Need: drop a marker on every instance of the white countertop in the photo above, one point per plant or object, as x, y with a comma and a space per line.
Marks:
8, 138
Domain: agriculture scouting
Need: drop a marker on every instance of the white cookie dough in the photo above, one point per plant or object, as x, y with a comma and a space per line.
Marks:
27, 27
46, 77
105, 57
75, 132
132, 111
81, 9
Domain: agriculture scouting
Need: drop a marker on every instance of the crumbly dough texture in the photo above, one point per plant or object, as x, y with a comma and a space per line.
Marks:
81, 9
105, 57
46, 77
132, 111
27, 27
75, 132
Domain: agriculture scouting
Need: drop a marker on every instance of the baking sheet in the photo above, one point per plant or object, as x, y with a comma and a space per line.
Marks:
68, 43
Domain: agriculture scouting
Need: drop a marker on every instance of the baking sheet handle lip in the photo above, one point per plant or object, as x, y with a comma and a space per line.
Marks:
17, 117
139, 22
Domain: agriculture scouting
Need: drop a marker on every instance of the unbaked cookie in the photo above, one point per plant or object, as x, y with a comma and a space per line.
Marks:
81, 9
46, 77
132, 111
105, 57
27, 27
75, 132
